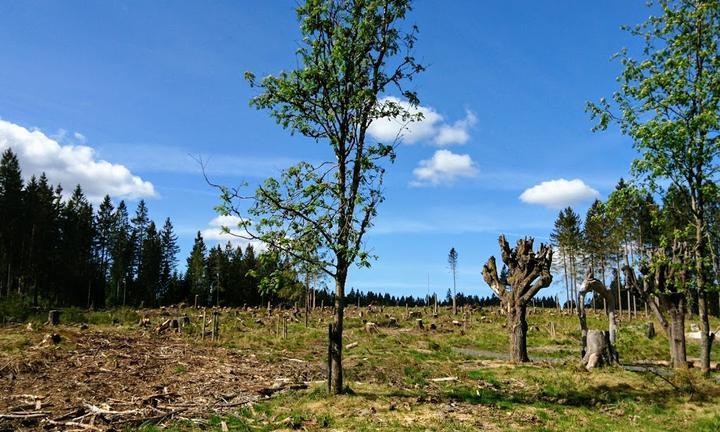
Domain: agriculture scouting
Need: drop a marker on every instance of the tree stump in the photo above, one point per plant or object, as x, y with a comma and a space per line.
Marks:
650, 332
54, 317
597, 353
204, 322
216, 326
392, 322
419, 323
371, 327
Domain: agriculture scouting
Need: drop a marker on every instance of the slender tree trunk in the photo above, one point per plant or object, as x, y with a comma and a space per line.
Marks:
567, 286
619, 294
454, 299
706, 339
336, 372
517, 326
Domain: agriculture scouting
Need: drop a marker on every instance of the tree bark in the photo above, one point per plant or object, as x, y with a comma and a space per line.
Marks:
518, 333
336, 372
706, 339
677, 335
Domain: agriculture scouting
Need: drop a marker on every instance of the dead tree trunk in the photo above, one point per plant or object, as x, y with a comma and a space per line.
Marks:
590, 284
528, 272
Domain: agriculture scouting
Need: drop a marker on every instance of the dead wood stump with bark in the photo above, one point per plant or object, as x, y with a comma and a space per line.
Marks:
527, 273
598, 351
590, 284
54, 317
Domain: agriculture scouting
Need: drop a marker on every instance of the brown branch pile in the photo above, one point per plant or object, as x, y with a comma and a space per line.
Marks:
110, 380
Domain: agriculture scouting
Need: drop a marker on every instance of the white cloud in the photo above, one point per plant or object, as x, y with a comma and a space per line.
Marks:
444, 167
559, 193
70, 165
431, 127
215, 232
457, 133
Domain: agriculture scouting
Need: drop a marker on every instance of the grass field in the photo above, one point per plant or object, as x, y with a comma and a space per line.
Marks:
115, 373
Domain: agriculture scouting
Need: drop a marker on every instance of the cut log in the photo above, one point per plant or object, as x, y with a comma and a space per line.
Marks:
163, 326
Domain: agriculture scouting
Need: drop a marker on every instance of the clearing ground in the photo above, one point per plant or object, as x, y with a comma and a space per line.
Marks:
109, 373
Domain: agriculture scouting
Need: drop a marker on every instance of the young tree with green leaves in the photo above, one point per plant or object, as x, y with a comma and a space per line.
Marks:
669, 104
352, 53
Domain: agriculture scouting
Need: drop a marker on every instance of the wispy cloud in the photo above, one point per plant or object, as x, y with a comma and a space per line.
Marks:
458, 220
168, 159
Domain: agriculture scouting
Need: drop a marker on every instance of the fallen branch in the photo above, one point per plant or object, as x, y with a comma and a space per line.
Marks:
73, 424
28, 415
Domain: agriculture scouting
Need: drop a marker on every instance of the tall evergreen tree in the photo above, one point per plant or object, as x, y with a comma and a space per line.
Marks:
104, 229
196, 276
140, 223
11, 206
148, 279
169, 250
122, 255
77, 247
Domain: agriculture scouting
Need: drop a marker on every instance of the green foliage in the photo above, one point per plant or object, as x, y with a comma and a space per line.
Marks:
351, 53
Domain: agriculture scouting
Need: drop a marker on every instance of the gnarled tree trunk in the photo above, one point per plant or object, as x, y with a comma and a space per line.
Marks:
591, 284
527, 273
517, 324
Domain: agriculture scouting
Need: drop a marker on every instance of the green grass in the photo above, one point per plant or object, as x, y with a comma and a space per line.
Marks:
393, 375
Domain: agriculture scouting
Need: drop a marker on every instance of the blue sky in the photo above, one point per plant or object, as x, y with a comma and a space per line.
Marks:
145, 84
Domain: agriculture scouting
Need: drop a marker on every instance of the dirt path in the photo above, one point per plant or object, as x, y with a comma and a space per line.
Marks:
118, 378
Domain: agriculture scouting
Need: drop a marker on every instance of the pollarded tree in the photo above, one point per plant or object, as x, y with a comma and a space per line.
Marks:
351, 54
527, 273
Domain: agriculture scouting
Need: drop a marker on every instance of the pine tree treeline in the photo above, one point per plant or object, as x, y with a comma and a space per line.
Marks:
63, 252
618, 232
362, 298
